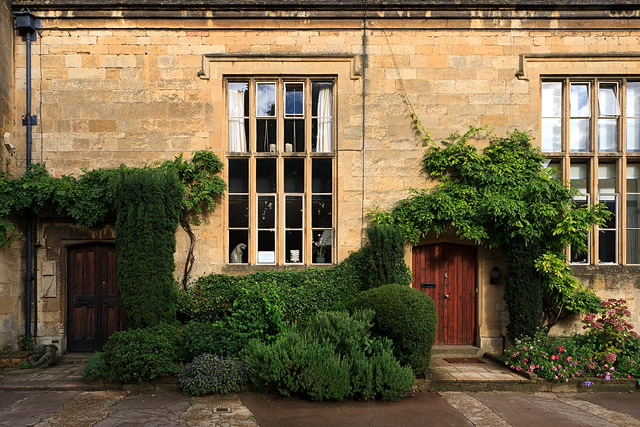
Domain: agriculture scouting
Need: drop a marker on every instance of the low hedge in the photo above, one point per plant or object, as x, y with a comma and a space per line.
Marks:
406, 316
331, 357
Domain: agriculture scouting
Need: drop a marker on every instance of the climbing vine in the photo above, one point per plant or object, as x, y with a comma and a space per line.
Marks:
90, 198
499, 196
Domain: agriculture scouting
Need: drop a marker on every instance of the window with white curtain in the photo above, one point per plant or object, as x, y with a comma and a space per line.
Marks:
280, 167
591, 126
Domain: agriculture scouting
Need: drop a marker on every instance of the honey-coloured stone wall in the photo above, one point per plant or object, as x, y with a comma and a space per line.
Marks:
112, 87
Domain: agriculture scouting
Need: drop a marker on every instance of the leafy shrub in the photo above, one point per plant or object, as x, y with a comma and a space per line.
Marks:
259, 305
407, 317
523, 290
97, 368
550, 360
148, 205
385, 253
210, 373
610, 329
139, 354
332, 356
215, 338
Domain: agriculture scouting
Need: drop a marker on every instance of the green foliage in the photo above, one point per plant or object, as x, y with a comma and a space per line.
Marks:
210, 373
609, 326
381, 261
97, 368
201, 181
497, 197
27, 344
407, 317
523, 291
148, 202
332, 356
90, 198
142, 354
297, 294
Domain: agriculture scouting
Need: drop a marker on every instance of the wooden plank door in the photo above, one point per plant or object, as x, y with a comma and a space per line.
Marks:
93, 305
447, 273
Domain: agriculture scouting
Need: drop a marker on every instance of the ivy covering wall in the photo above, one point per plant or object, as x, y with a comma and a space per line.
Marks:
148, 204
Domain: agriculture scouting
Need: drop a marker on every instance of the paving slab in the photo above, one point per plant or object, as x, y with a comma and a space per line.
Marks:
419, 409
626, 403
528, 409
29, 408
158, 409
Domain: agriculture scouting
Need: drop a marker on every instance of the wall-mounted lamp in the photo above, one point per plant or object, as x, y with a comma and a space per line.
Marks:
9, 146
494, 276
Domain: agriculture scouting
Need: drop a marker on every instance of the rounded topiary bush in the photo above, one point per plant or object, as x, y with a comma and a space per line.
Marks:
407, 317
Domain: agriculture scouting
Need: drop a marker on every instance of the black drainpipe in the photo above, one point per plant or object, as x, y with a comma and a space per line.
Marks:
27, 25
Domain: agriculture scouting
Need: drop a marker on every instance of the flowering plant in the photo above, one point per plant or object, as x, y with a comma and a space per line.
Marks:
541, 356
609, 327
320, 245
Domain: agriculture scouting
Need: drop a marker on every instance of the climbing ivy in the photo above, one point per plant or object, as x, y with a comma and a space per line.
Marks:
499, 196
90, 198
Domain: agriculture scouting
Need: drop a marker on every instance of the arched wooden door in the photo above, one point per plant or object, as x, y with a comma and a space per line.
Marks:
94, 309
447, 273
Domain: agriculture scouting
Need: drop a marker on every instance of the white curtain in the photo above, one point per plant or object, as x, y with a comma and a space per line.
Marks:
325, 105
237, 135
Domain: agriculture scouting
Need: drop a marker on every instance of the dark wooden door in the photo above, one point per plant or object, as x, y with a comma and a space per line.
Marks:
94, 308
447, 273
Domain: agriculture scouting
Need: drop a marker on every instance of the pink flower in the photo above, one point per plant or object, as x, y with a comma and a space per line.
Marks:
555, 378
569, 359
518, 368
532, 367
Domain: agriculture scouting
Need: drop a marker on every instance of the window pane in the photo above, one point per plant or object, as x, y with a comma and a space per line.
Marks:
555, 168
266, 211
238, 111
238, 175
294, 212
326, 108
579, 135
322, 246
579, 177
293, 243
607, 135
294, 175
238, 210
321, 211
266, 100
633, 211
633, 99
322, 121
579, 100
608, 99
240, 91
551, 135
633, 135
266, 175
577, 256
321, 176
607, 178
266, 247
611, 205
607, 246
294, 99
266, 135
294, 135
238, 244
633, 246
633, 178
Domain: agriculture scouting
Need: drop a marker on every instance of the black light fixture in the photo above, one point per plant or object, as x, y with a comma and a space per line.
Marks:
495, 275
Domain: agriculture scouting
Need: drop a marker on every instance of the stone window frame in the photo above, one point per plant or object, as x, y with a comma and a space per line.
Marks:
598, 161
311, 234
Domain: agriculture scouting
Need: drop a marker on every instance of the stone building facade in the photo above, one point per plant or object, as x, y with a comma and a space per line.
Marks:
320, 90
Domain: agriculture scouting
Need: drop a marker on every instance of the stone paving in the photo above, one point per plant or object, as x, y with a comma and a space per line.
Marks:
55, 397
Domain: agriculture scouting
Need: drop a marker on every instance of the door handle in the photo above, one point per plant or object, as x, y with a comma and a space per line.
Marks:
446, 296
